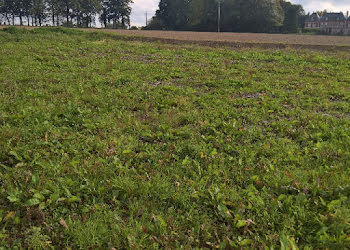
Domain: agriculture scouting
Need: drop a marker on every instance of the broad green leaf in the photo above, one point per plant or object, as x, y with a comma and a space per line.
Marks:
32, 202
241, 223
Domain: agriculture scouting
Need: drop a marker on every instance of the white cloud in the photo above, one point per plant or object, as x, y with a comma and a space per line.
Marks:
139, 9
330, 5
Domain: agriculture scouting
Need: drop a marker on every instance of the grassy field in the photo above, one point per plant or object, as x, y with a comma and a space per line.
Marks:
111, 144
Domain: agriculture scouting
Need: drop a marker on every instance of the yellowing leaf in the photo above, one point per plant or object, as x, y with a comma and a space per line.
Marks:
63, 223
9, 215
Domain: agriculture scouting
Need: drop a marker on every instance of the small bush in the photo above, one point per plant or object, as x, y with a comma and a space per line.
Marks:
15, 30
68, 31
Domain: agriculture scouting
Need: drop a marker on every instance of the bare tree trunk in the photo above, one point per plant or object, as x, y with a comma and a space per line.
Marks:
123, 22
28, 20
20, 19
8, 19
67, 16
13, 19
53, 16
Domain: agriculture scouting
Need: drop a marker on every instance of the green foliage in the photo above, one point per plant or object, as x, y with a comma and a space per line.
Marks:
292, 17
77, 13
48, 30
237, 15
14, 30
116, 13
36, 240
113, 143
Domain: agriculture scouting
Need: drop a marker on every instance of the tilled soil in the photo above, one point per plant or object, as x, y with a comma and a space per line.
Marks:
289, 39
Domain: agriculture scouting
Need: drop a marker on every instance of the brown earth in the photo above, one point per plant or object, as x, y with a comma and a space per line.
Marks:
240, 37
237, 40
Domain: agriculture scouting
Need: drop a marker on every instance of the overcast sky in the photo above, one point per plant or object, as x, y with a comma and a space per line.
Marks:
140, 7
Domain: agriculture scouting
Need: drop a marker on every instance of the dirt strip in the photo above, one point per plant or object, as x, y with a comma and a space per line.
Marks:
288, 39
235, 40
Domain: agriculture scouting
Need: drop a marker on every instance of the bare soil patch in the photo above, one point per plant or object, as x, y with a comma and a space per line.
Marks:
239, 40
291, 39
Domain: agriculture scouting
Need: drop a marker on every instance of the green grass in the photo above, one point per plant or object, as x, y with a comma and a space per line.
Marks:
111, 143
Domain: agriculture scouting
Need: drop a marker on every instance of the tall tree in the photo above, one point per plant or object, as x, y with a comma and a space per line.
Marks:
173, 14
292, 17
125, 13
28, 5
10, 10
203, 15
259, 15
2, 10
53, 7
38, 12
237, 15
20, 9
66, 9
104, 13
116, 12
86, 10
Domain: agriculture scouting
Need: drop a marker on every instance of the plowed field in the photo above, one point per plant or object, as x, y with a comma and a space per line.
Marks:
242, 37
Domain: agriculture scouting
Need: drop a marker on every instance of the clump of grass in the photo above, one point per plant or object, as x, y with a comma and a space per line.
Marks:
68, 31
15, 30
35, 239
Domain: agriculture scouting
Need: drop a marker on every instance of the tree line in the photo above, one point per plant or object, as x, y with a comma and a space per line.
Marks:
237, 16
78, 13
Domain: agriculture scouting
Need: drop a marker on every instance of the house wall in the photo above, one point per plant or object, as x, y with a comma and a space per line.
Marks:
312, 25
330, 27
333, 24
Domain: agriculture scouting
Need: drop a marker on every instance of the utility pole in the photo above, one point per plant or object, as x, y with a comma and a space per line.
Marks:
219, 16
146, 18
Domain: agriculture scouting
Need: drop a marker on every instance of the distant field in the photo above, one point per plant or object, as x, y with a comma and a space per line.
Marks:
244, 38
112, 143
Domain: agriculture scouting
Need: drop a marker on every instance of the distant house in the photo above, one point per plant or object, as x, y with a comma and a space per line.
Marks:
313, 22
329, 23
